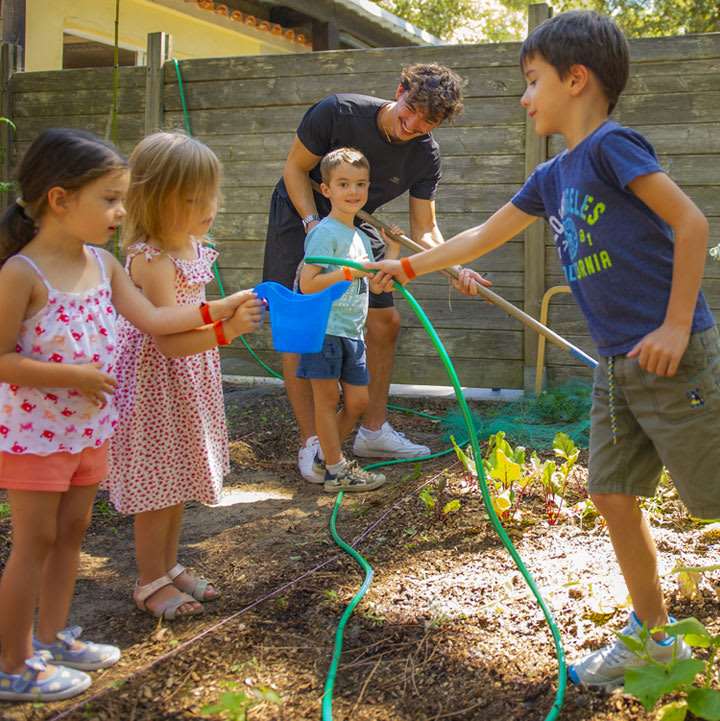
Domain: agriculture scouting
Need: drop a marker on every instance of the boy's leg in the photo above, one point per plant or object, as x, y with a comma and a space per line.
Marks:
33, 516
61, 565
636, 555
355, 401
326, 395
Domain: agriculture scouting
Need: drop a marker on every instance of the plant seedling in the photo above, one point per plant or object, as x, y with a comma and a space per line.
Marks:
234, 704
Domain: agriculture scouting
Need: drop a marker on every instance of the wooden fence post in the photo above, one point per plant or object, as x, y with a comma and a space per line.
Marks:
11, 61
534, 262
159, 51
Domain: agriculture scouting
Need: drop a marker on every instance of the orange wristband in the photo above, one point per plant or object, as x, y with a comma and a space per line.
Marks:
409, 272
347, 273
205, 313
219, 333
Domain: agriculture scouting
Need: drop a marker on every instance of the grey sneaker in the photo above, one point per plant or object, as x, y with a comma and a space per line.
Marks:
306, 461
91, 657
353, 478
607, 665
389, 444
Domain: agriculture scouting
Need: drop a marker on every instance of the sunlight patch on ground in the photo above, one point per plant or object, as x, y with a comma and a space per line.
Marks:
233, 496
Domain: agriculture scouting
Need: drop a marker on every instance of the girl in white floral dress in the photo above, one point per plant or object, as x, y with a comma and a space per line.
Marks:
171, 441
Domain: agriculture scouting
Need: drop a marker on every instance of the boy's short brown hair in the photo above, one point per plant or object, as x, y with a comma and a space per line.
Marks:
435, 88
337, 157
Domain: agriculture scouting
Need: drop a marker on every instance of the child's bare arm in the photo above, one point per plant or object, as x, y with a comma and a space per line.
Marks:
152, 310
661, 350
313, 280
462, 248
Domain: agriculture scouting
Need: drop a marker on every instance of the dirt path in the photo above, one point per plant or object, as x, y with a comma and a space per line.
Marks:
446, 631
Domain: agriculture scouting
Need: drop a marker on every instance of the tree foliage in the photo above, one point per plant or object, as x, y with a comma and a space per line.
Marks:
439, 17
470, 21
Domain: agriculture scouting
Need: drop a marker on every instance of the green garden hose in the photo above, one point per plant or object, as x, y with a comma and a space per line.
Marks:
497, 525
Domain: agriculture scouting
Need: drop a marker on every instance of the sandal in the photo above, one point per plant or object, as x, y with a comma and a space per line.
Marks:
25, 686
196, 587
91, 657
167, 610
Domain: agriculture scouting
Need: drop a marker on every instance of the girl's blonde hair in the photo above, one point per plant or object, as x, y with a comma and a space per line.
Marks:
165, 165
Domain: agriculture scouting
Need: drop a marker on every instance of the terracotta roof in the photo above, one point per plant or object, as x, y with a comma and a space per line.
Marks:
251, 21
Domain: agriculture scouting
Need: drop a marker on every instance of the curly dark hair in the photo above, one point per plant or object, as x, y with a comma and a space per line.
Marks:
435, 88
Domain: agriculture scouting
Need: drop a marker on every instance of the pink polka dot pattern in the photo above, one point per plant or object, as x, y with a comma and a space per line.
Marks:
170, 444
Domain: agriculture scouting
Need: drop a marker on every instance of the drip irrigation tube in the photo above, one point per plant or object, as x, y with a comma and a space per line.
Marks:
495, 521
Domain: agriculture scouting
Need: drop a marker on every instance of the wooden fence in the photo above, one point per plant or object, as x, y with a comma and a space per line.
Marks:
247, 109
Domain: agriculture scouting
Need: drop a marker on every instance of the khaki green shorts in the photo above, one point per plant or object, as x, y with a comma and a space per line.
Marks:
672, 422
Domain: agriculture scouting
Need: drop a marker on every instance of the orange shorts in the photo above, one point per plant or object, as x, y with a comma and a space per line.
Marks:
56, 472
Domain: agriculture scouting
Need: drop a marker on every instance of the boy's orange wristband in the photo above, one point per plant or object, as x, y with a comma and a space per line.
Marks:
347, 273
219, 333
205, 313
409, 272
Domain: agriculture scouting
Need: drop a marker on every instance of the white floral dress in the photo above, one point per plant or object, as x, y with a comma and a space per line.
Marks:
171, 441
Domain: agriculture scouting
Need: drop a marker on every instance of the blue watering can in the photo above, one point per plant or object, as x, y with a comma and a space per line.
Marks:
299, 322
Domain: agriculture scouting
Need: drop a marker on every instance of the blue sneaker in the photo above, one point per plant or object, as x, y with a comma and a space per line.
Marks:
607, 665
91, 657
25, 686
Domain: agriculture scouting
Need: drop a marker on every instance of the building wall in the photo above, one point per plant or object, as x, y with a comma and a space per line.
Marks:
247, 110
197, 33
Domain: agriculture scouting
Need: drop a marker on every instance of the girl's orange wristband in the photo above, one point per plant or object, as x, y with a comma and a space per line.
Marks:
219, 333
205, 313
347, 273
409, 272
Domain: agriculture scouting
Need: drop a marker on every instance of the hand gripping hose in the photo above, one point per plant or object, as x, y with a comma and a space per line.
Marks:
495, 521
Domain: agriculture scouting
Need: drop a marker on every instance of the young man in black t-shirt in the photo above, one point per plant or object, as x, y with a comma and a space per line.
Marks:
395, 136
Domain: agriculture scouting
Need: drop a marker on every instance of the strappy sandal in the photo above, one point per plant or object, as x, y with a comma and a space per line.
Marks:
197, 587
168, 609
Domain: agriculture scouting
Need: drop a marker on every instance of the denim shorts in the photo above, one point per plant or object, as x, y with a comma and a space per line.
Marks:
342, 358
660, 421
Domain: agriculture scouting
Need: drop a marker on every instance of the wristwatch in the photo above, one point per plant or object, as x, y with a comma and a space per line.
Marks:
309, 219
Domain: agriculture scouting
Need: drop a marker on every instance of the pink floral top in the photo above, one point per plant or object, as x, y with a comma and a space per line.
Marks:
71, 328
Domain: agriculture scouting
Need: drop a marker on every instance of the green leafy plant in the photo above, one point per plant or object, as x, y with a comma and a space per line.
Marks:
650, 682
4, 510
434, 502
554, 478
235, 704
331, 595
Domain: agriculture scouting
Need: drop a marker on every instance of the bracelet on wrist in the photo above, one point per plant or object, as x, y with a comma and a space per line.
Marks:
205, 313
220, 333
309, 219
409, 272
347, 273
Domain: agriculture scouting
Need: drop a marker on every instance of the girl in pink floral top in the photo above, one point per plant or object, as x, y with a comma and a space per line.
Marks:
171, 441
59, 294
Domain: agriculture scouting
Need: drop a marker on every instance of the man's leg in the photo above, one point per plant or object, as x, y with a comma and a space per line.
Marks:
376, 438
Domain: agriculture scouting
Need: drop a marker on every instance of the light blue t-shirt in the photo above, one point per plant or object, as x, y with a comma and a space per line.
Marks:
616, 253
332, 239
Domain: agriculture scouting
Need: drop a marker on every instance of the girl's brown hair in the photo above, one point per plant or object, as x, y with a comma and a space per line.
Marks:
58, 157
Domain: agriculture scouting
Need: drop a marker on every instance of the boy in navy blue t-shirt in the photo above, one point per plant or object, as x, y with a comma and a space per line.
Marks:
632, 246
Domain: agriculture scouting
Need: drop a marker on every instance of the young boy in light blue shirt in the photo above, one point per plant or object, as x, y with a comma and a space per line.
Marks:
346, 180
632, 246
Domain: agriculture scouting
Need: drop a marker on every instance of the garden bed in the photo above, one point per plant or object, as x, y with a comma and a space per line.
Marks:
447, 630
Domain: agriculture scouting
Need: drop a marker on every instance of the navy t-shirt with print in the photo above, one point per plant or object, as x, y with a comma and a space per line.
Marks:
615, 252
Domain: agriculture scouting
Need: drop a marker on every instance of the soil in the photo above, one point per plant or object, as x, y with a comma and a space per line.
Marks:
447, 629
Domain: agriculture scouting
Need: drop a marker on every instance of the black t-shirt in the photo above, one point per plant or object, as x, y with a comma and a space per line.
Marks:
349, 120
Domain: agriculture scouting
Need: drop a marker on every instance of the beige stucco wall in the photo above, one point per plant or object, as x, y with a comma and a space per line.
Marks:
196, 33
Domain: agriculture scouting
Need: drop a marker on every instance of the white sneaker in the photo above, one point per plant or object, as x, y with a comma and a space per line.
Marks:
389, 444
607, 665
306, 458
